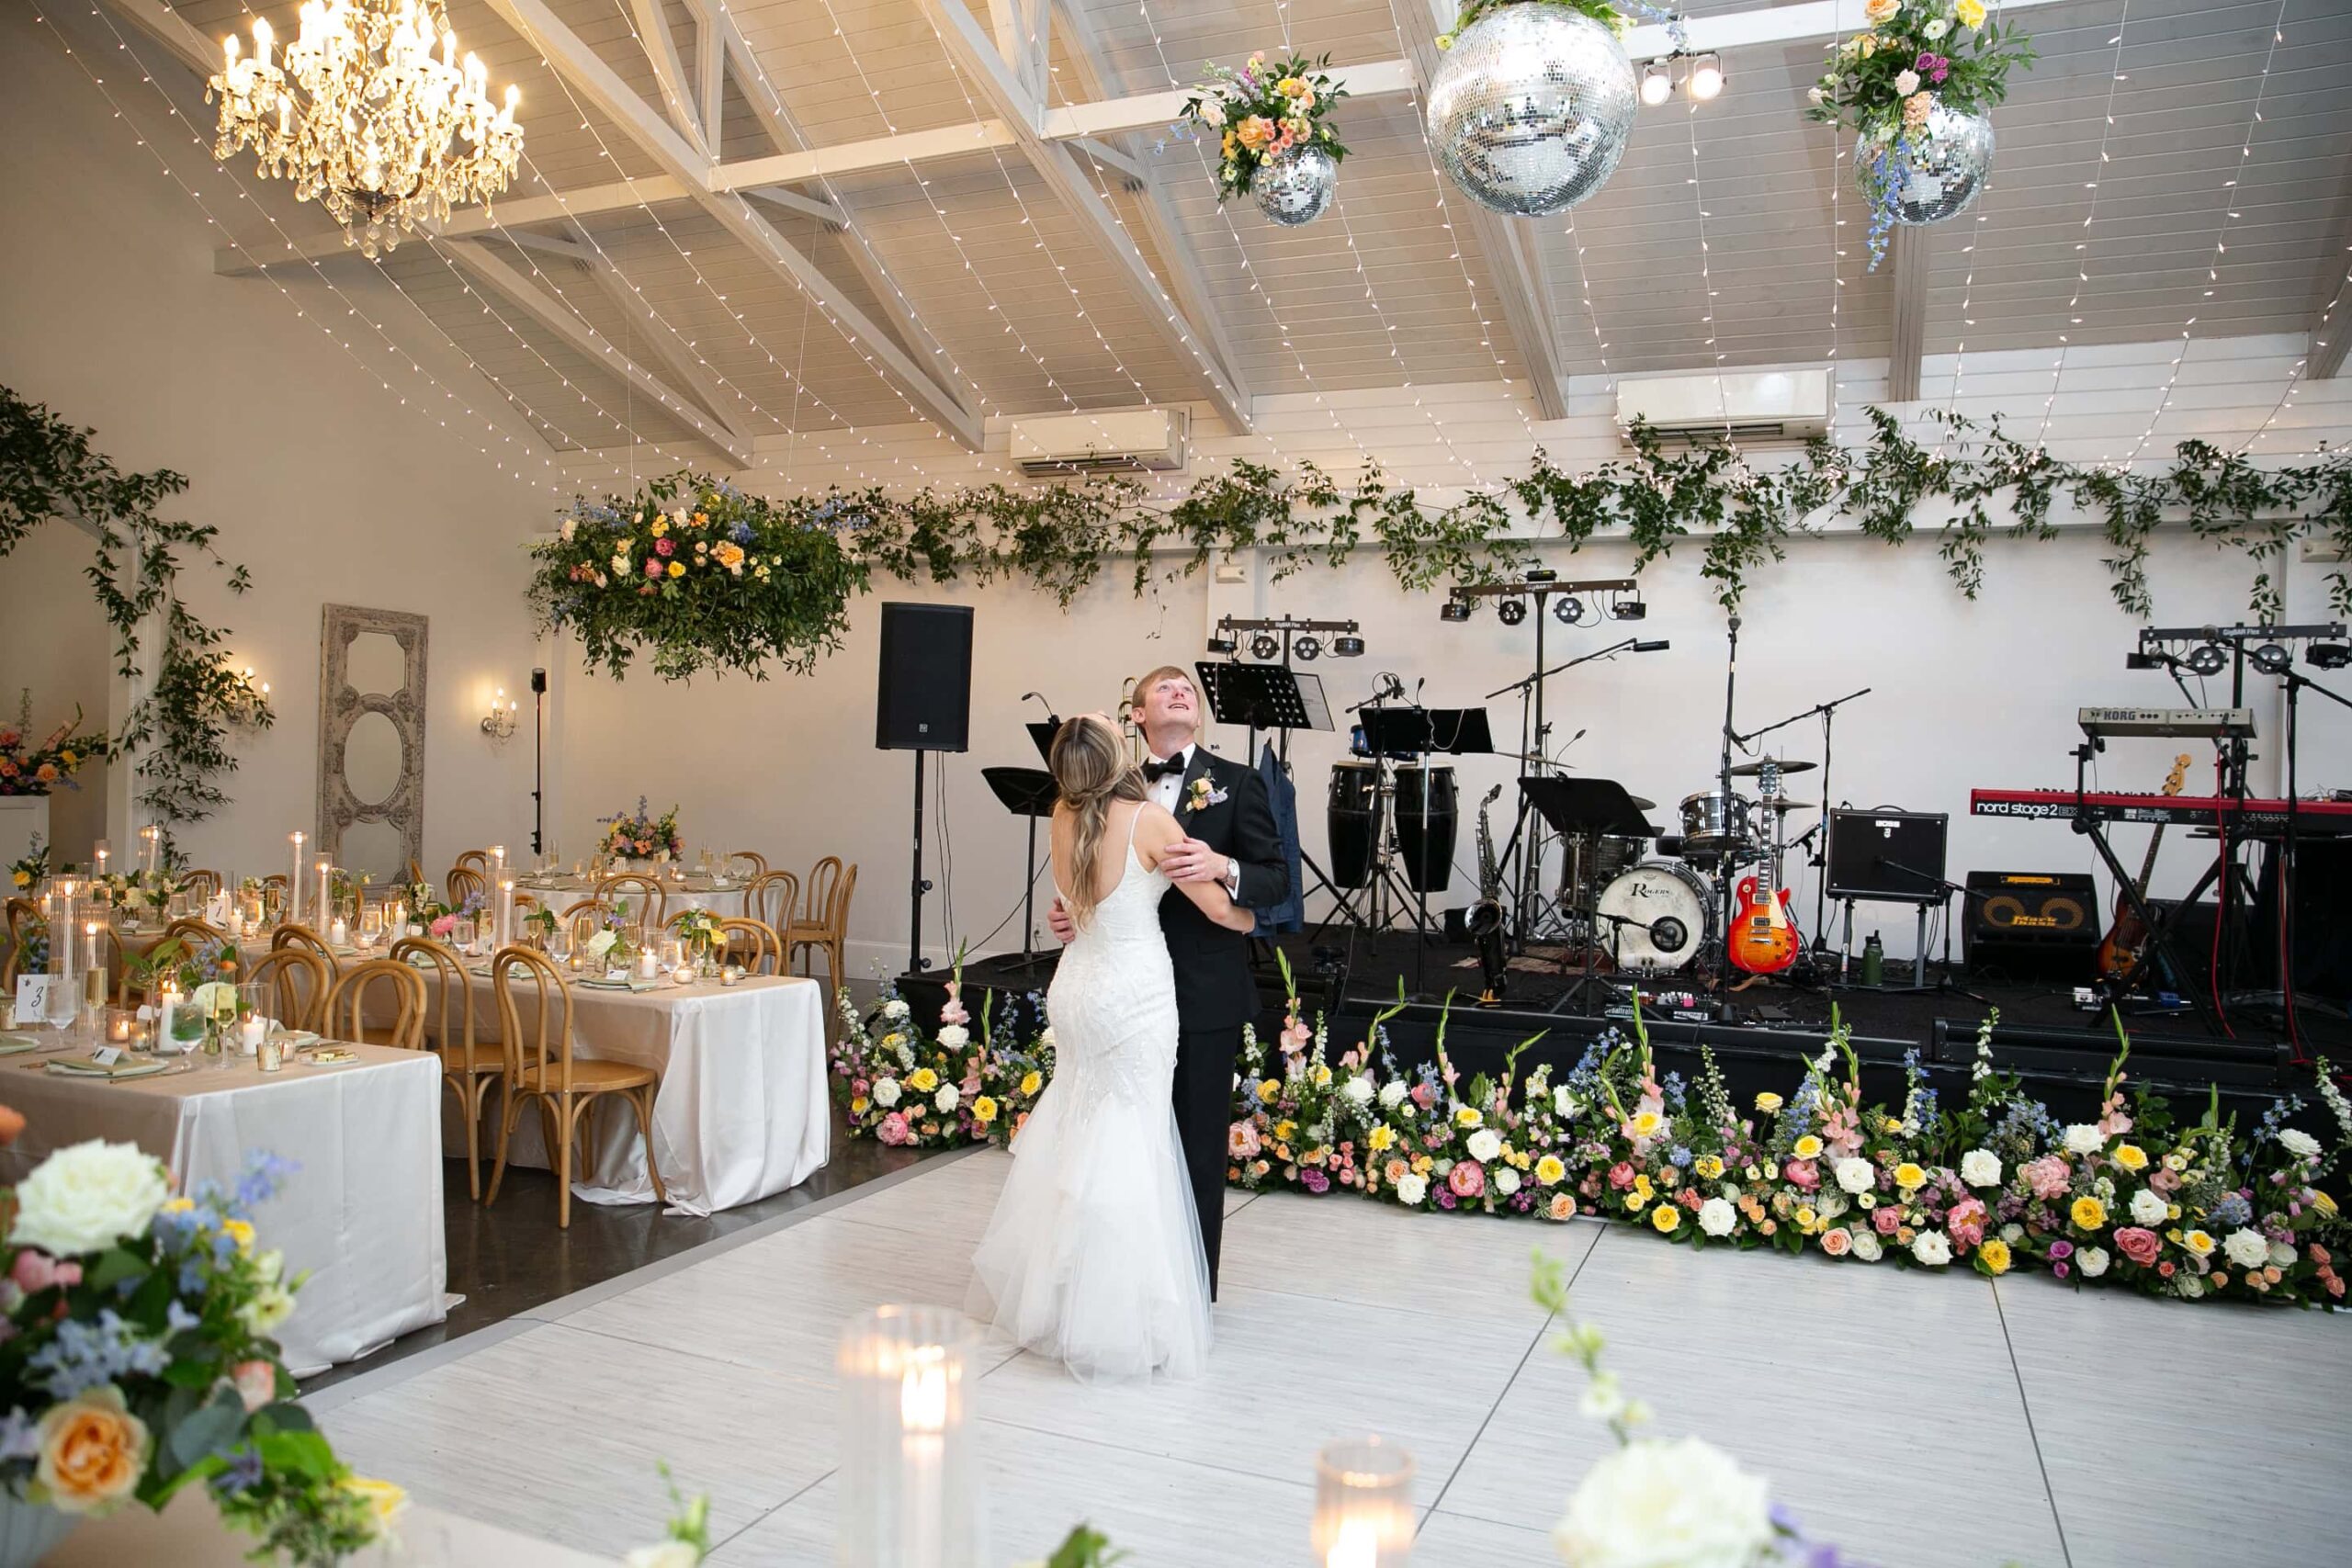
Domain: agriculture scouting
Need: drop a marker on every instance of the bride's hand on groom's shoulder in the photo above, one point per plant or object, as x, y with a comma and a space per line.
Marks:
1190, 859
1058, 919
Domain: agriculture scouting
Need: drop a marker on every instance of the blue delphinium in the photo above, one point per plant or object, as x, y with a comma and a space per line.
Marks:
87, 1355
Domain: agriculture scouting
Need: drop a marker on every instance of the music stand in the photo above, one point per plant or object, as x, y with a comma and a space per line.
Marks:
1278, 698
1030, 793
1041, 731
1425, 732
1596, 806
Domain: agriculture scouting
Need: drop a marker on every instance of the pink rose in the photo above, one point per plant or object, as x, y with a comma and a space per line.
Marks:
652, 567
2165, 1182
2139, 1245
2048, 1175
1564, 1207
1621, 1175
1469, 1179
664, 547
1242, 1140
893, 1130
38, 1271
1966, 1221
1803, 1172
1836, 1242
443, 925
256, 1381
1887, 1218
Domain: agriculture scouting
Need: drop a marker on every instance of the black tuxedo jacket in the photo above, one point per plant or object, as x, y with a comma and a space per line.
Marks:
1214, 988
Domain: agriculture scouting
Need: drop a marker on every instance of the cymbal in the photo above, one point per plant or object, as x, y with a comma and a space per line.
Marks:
1756, 770
1778, 804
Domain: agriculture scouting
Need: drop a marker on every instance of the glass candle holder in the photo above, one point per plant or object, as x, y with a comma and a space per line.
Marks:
909, 1482
1363, 1504
124, 1030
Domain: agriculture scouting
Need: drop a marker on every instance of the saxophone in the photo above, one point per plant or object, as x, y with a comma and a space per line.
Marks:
1486, 919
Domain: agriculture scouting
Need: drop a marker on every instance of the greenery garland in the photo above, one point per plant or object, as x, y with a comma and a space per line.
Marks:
48, 469
817, 550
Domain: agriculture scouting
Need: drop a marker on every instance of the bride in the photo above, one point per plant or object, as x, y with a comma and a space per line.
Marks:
1093, 1256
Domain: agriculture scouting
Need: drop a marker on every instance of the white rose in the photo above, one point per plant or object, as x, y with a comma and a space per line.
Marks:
1867, 1246
894, 1008
601, 943
1980, 1167
1358, 1091
885, 1092
1047, 1038
1411, 1190
2297, 1142
1506, 1182
667, 1554
946, 1097
620, 564
1831, 1204
1485, 1144
85, 1197
2246, 1248
2093, 1260
1937, 29
1391, 1093
1906, 83
1932, 1248
1213, 109
2013, 1232
2281, 1255
1717, 1217
1563, 1102
1654, 1502
1814, 94
2148, 1209
954, 1036
1857, 1174
2189, 1286
2083, 1138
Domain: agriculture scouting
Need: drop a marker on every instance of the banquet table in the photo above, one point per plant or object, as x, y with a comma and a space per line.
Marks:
362, 1211
725, 900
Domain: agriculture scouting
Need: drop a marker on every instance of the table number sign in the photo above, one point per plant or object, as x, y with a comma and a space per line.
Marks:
32, 998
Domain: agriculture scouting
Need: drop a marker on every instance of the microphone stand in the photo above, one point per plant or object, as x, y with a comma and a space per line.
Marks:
1726, 896
1820, 857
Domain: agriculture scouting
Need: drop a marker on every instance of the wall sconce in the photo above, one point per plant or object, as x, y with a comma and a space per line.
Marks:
499, 722
247, 700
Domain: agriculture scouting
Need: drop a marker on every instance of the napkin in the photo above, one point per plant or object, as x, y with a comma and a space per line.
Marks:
295, 1039
85, 1067
17, 1045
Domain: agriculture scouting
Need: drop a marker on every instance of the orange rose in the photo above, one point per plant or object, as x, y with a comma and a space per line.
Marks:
93, 1452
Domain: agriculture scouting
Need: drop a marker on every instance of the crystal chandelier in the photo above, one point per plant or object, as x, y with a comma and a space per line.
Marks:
365, 119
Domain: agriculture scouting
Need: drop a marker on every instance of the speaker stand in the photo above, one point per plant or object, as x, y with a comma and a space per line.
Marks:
916, 963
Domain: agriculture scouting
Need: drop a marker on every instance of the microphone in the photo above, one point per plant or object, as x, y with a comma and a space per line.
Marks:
1039, 698
1657, 646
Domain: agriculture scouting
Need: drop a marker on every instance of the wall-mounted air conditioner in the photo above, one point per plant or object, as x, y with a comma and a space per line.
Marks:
1114, 441
1747, 406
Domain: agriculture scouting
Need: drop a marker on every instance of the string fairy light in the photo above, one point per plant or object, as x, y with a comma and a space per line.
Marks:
2081, 247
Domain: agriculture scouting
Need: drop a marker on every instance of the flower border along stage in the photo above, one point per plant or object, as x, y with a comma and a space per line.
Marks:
2187, 1210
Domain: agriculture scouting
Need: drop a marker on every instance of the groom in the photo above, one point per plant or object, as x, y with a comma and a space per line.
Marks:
1229, 836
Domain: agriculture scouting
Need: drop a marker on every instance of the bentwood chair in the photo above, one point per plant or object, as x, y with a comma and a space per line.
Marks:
197, 938
629, 884
24, 924
347, 1005
754, 944
541, 1068
752, 861
469, 1066
310, 941
299, 982
586, 919
773, 898
475, 861
825, 927
465, 883
202, 885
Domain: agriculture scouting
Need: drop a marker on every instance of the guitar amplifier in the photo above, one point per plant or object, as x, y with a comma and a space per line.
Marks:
2043, 924
1888, 856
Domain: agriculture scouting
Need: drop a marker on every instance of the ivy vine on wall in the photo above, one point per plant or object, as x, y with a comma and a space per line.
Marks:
1060, 538
180, 729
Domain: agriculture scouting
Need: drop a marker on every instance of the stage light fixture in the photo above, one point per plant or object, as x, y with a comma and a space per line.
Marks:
2272, 659
1265, 645
1658, 83
1347, 645
1510, 612
2147, 661
1568, 612
1629, 610
2207, 659
1454, 610
1706, 77
2328, 655
1222, 641
1307, 648
1541, 574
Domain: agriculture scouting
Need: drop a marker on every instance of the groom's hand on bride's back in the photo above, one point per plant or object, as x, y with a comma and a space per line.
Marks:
1058, 919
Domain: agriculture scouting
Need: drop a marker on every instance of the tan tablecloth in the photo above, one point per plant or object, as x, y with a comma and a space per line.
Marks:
363, 1213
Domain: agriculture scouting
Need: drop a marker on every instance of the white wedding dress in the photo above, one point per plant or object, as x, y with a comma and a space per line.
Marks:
1093, 1254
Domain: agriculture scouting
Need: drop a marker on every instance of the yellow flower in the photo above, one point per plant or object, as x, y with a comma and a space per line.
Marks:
1421, 1163
1293, 87
1710, 1167
1970, 12
23, 878
1382, 1138
1768, 1103
242, 1230
178, 1206
661, 526
1322, 1075
729, 554
1548, 1169
2130, 1156
384, 1500
922, 1080
2088, 1214
1806, 1218
1643, 1190
1869, 45
1907, 1176
1994, 1253
1267, 1090
1032, 1080
1665, 1217
2323, 1202
1284, 1128
93, 1450
1891, 1124
984, 1111
677, 568
1467, 1116
2199, 1243
1648, 1123
857, 1106
1881, 10
1808, 1147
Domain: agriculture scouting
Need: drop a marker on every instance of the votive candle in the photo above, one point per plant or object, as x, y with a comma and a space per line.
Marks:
908, 1480
1363, 1505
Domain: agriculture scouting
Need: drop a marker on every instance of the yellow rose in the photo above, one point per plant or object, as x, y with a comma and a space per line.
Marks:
1322, 1075
1970, 12
1421, 1163
1994, 1253
2199, 1243
1383, 1137
242, 1230
984, 1111
2088, 1212
1890, 1123
1908, 1175
677, 568
1648, 1123
922, 1080
1807, 1218
2323, 1202
1467, 1116
1267, 1090
1643, 1190
93, 1452
1881, 10
2130, 1156
1808, 1147
384, 1500
1665, 1217
1768, 1103
1284, 1128
1032, 1080
1549, 1170
1292, 87
857, 1106
661, 526
1710, 1167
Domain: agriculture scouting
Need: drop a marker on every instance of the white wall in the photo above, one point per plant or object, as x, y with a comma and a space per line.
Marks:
326, 485
54, 644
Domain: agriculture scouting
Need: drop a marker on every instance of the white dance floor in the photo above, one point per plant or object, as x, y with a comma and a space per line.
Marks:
1917, 1422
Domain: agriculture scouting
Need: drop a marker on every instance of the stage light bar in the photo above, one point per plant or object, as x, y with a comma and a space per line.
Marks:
1224, 642
2272, 659
1265, 645
2207, 659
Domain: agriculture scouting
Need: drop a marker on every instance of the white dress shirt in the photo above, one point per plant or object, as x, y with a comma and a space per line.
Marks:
1164, 791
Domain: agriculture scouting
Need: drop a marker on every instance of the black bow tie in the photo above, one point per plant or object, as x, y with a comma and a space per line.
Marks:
1155, 771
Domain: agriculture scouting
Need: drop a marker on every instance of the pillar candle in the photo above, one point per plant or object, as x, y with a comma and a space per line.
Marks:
294, 885
325, 866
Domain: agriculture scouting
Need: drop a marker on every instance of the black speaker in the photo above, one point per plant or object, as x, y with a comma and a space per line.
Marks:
2042, 923
1866, 848
925, 701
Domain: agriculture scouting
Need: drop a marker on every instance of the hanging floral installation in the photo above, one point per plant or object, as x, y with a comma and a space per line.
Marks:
179, 731
1263, 112
39, 767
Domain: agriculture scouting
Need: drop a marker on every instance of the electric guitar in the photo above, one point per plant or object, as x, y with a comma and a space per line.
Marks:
2120, 954
1763, 938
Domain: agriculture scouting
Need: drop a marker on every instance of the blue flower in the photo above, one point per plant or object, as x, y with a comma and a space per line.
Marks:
88, 1355
2233, 1209
263, 1173
1677, 1155
177, 1319
19, 1437
741, 532
244, 1471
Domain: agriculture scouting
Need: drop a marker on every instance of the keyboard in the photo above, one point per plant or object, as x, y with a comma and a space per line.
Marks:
2171, 724
2260, 816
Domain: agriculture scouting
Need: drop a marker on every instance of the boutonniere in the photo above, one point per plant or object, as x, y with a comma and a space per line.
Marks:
1203, 794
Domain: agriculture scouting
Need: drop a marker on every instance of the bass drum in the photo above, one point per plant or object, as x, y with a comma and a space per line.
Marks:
1352, 821
1428, 865
1669, 913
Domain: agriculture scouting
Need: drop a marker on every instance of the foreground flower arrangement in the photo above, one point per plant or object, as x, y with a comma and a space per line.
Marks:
36, 767
2187, 1211
137, 1357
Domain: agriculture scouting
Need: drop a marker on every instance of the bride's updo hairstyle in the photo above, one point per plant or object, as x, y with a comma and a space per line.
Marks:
1091, 770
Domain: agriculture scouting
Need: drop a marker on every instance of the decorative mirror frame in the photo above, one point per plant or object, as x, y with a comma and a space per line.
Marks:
341, 706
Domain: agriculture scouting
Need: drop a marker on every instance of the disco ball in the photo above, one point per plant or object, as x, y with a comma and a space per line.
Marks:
1294, 187
1941, 172
1530, 109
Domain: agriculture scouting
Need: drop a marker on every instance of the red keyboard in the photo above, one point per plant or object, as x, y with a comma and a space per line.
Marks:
2191, 810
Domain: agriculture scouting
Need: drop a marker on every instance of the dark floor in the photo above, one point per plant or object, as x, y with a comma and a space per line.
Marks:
510, 1258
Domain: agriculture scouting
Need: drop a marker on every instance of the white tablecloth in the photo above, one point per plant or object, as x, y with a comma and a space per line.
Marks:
742, 1110
363, 1213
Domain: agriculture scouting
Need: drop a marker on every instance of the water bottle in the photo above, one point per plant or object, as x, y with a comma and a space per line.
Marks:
1873, 961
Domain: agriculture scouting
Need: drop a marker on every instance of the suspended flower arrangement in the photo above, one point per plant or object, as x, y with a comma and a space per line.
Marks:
1918, 89
1276, 140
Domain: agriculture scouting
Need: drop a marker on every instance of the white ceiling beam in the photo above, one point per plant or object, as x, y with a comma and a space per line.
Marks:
200, 54
669, 71
1514, 268
843, 158
677, 356
1907, 344
492, 271
807, 206
552, 245
1024, 38
1116, 159
710, 72
975, 54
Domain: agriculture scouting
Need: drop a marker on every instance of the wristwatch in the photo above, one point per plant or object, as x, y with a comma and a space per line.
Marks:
1232, 877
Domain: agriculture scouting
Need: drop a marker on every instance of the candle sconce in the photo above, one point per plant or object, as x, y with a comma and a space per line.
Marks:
246, 700
499, 722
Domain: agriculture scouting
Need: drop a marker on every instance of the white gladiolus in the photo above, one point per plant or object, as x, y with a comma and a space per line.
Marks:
1652, 1504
